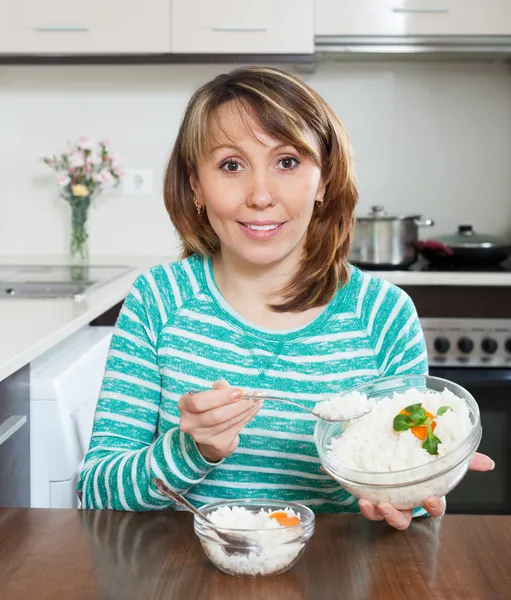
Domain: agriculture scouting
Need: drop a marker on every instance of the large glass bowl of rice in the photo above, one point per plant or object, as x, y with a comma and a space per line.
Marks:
281, 530
371, 460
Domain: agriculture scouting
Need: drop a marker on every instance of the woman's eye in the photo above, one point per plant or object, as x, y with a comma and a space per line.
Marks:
231, 166
288, 163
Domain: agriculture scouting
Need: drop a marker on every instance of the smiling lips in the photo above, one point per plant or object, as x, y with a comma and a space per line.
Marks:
261, 230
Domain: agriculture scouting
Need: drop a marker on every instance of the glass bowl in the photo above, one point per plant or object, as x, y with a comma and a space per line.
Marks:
280, 547
407, 488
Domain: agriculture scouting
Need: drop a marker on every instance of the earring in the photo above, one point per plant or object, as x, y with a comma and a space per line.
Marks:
198, 206
319, 202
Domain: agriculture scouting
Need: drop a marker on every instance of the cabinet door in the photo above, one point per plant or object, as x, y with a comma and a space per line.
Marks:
242, 26
413, 17
15, 440
92, 27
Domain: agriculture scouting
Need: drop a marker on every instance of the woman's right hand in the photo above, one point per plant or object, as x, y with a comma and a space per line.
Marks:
214, 419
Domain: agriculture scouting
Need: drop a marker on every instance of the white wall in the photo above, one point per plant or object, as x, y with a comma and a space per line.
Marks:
432, 138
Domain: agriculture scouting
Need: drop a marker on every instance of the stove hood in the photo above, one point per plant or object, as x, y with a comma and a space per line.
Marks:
484, 47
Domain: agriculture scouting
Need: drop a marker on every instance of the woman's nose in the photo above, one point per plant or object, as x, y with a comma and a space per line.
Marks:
259, 193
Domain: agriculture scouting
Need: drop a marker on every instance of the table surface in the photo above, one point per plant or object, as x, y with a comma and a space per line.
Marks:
78, 554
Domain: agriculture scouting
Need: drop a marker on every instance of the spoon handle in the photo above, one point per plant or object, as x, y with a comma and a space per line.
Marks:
178, 499
263, 396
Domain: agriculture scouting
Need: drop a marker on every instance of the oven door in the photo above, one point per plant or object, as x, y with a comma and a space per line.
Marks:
486, 493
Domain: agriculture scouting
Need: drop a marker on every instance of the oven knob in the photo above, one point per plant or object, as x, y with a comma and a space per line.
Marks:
465, 345
442, 345
489, 345
508, 344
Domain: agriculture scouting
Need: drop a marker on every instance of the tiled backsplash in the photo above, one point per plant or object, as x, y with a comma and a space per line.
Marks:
432, 138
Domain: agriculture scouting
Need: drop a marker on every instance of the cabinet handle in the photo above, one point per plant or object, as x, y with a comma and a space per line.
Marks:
418, 11
57, 28
239, 28
10, 426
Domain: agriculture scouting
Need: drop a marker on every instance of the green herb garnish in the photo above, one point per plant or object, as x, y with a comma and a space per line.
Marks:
422, 424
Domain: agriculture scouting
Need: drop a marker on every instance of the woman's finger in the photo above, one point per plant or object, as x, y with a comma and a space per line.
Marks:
369, 510
222, 414
209, 433
204, 401
399, 519
481, 462
435, 506
235, 427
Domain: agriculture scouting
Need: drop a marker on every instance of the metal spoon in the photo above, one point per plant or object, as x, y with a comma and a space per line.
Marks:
285, 401
236, 543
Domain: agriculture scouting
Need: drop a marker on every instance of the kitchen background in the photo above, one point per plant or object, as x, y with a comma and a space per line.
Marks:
428, 110
429, 137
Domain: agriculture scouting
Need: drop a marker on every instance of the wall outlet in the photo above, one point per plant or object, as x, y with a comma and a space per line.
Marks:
138, 181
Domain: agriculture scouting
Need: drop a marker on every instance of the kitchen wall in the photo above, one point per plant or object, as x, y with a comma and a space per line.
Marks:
432, 138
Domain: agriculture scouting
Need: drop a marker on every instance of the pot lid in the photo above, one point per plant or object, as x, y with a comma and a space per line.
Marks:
466, 237
379, 213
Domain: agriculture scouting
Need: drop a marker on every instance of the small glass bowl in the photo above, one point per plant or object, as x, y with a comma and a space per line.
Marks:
407, 488
280, 547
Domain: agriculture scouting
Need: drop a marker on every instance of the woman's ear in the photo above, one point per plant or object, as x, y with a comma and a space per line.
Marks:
192, 178
320, 194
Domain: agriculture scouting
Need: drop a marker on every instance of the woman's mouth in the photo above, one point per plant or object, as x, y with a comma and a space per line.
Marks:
261, 230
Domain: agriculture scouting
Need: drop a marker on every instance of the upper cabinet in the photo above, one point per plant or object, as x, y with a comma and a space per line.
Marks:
91, 27
243, 27
412, 17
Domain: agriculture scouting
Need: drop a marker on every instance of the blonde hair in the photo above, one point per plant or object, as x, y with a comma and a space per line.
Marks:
287, 109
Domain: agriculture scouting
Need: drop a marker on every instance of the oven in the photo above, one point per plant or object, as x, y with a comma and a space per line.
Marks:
476, 354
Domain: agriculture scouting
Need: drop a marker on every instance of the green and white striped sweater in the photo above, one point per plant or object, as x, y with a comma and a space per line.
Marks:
175, 332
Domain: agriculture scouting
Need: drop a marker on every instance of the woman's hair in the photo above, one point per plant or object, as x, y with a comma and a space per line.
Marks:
287, 110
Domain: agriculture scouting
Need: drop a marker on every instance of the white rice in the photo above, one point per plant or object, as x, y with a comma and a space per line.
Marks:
369, 444
344, 407
278, 550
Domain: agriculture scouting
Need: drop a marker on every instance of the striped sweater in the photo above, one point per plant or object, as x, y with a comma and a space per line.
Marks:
175, 332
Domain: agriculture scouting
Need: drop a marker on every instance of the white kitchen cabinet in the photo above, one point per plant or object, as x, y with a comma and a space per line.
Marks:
412, 17
243, 27
92, 27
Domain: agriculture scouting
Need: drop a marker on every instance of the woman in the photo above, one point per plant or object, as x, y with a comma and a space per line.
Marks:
260, 188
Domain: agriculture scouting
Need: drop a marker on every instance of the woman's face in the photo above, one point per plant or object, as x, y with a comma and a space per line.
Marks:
258, 193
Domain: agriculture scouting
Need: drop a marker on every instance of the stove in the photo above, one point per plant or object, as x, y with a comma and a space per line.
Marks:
501, 268
468, 343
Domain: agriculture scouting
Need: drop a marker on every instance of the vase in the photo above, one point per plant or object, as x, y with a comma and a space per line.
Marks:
79, 247
79, 236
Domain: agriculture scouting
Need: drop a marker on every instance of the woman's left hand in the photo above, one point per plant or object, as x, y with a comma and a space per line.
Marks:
401, 519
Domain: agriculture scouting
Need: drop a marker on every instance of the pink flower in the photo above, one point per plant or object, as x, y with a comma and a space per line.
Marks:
96, 178
106, 143
85, 143
63, 180
106, 178
76, 160
93, 159
120, 172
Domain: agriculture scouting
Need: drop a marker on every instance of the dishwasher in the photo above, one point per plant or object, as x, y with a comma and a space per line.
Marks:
64, 387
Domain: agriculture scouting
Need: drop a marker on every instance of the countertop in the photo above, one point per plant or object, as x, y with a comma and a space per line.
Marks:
52, 554
29, 328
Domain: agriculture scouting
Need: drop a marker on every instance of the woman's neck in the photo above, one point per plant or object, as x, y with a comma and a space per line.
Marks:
250, 288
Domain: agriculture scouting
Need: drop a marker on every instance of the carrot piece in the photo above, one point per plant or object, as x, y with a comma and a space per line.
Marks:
421, 432
284, 519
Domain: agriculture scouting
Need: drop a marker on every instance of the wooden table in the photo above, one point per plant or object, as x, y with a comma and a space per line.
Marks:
75, 555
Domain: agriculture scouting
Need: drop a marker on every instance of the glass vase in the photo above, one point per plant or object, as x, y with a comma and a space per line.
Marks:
79, 247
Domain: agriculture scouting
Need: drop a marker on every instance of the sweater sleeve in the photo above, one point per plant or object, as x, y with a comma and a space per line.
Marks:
400, 344
125, 451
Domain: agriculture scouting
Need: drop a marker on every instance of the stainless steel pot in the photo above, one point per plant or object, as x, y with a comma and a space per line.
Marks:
383, 241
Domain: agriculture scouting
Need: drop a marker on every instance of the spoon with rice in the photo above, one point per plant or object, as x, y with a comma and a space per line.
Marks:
336, 409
